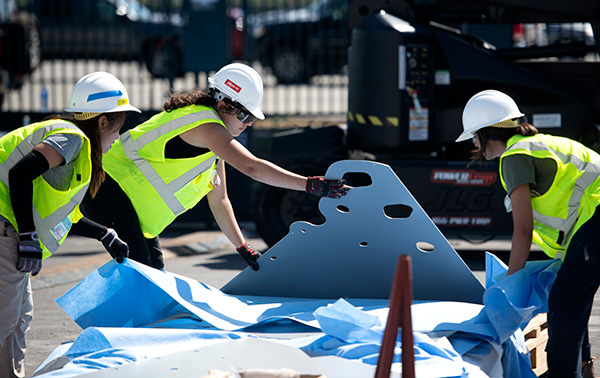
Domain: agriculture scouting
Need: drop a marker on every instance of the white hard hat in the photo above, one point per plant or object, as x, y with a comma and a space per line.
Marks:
489, 108
96, 93
242, 84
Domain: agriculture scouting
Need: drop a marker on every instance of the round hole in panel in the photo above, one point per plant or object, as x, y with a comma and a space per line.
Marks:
397, 211
363, 244
425, 247
273, 258
342, 209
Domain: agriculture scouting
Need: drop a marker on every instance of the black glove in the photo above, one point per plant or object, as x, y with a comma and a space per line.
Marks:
30, 253
117, 248
326, 188
250, 255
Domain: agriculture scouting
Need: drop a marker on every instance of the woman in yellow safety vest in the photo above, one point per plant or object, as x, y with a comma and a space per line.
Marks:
553, 186
165, 166
45, 170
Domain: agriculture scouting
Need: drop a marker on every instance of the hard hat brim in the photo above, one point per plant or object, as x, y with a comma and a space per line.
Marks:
257, 113
466, 135
126, 108
122, 108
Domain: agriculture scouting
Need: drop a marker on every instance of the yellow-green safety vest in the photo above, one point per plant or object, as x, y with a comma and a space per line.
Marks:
573, 195
160, 189
54, 211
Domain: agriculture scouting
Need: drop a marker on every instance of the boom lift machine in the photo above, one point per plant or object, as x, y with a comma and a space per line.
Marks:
413, 65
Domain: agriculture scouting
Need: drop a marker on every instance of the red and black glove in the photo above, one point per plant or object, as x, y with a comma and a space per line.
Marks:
250, 255
326, 188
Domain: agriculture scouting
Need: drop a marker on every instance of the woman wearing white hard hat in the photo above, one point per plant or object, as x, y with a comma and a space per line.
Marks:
553, 186
165, 166
47, 167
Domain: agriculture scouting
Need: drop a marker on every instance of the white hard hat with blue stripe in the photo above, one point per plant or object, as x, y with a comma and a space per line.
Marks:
96, 93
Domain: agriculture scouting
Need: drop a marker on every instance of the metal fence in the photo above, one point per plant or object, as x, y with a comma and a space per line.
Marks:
298, 47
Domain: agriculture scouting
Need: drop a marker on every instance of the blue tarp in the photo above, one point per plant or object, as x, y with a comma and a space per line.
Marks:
116, 304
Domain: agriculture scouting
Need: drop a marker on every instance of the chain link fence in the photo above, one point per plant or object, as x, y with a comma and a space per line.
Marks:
298, 47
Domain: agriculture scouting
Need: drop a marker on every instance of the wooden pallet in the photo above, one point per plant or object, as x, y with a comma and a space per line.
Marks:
536, 338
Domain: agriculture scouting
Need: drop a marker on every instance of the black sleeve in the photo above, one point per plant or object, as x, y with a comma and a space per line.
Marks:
20, 178
88, 228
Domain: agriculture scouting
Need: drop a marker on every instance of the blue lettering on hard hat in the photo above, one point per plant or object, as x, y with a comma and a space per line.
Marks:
101, 95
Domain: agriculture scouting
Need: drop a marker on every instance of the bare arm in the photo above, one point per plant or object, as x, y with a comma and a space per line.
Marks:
221, 208
216, 138
522, 214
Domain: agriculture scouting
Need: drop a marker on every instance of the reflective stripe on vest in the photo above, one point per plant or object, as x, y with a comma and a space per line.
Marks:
56, 222
588, 173
53, 228
166, 191
26, 146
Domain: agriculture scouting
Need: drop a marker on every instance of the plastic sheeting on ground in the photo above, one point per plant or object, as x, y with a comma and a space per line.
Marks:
114, 304
134, 295
512, 302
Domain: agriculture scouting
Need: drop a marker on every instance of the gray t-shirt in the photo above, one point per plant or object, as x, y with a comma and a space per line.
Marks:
68, 145
519, 169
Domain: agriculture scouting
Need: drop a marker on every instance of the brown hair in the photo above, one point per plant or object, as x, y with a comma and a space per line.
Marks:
498, 134
91, 129
198, 97
192, 97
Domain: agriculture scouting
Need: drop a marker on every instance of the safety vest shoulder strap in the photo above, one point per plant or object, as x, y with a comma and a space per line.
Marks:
23, 140
166, 123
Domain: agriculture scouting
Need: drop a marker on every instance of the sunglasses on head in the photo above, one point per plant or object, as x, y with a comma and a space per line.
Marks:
245, 116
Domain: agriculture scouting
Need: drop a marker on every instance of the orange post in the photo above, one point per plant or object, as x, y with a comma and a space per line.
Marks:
399, 316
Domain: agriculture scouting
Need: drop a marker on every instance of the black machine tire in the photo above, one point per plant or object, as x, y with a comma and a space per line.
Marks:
275, 209
164, 58
289, 67
24, 43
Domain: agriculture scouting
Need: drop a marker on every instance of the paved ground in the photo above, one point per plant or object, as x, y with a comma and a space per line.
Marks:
205, 256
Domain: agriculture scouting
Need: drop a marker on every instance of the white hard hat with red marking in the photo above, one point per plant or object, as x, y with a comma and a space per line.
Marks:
96, 93
242, 84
